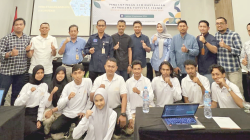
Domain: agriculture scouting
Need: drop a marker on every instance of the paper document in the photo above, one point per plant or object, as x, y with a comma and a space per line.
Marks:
226, 123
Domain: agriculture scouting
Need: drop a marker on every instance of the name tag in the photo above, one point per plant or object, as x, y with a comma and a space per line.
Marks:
94, 40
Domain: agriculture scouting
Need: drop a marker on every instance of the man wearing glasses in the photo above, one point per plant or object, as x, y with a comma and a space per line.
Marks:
100, 47
229, 52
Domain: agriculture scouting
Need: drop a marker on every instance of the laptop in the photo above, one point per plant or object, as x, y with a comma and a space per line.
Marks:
181, 116
1, 95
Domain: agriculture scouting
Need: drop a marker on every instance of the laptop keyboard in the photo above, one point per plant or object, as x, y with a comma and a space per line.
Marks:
187, 120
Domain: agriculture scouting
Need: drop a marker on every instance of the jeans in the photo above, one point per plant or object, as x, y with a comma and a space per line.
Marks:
93, 75
236, 78
17, 82
209, 77
123, 73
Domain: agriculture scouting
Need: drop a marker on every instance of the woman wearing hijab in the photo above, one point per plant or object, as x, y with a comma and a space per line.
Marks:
160, 45
98, 122
33, 95
55, 90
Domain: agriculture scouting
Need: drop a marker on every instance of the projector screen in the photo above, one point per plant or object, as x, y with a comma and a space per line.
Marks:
60, 14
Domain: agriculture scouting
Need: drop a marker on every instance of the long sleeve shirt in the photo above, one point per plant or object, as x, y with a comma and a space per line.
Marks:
177, 57
155, 60
80, 103
85, 125
32, 99
164, 93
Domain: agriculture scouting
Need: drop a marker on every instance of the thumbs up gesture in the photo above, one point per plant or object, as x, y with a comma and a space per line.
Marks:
202, 38
14, 52
154, 39
244, 61
222, 43
116, 46
184, 48
28, 47
52, 47
143, 44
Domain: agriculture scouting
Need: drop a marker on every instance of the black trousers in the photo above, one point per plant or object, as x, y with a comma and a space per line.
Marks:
117, 126
62, 124
93, 75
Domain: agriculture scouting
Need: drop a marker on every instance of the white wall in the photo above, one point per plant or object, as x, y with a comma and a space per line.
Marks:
241, 18
7, 11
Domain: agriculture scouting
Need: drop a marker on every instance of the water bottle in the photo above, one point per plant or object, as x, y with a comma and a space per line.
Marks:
207, 105
145, 107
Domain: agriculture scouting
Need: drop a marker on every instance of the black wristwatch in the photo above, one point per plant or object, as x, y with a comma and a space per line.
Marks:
188, 51
205, 43
123, 114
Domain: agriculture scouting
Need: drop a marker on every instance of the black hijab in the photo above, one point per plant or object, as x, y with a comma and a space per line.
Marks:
32, 78
60, 85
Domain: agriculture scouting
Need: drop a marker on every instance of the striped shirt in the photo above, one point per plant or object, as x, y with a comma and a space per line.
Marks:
14, 65
229, 60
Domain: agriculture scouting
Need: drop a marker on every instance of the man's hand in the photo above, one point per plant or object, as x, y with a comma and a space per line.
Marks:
88, 113
28, 47
196, 80
14, 52
129, 69
67, 40
176, 70
48, 114
92, 50
222, 43
71, 95
167, 80
33, 89
202, 38
143, 44
184, 48
244, 61
53, 48
54, 90
222, 81
154, 39
122, 121
81, 115
38, 125
135, 90
131, 124
102, 86
116, 46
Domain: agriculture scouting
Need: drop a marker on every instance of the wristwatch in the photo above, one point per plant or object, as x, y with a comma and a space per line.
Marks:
123, 114
205, 43
188, 51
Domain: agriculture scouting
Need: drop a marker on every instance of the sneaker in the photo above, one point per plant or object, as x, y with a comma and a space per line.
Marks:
128, 131
66, 135
57, 136
117, 136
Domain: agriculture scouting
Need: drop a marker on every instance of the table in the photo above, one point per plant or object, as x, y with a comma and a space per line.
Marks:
12, 122
150, 126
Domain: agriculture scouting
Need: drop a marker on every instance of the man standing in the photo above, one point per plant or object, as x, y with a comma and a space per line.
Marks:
72, 50
141, 45
42, 49
122, 49
183, 47
14, 59
229, 52
208, 50
100, 46
245, 58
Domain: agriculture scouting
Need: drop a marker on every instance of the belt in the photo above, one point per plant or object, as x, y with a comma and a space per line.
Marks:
72, 64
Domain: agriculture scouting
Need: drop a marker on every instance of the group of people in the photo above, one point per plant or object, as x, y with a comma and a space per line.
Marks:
104, 104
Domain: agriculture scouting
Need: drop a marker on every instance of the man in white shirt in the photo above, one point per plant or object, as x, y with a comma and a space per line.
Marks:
166, 87
117, 93
194, 84
224, 92
135, 86
74, 101
41, 50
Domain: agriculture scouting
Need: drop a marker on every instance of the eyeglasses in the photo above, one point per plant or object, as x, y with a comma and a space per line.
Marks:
101, 25
219, 23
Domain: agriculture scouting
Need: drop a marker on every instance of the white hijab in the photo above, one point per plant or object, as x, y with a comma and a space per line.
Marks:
163, 35
100, 118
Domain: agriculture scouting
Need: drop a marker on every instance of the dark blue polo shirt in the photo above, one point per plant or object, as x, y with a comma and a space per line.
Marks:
138, 52
205, 61
98, 59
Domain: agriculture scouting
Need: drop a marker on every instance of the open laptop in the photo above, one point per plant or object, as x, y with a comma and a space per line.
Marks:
1, 95
181, 117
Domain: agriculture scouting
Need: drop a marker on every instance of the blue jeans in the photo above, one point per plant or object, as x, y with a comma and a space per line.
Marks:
123, 73
209, 77
46, 79
17, 82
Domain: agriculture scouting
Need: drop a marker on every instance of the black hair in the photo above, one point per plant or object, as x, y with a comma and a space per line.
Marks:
190, 62
121, 21
18, 20
101, 20
170, 66
73, 26
136, 62
182, 21
223, 18
112, 59
204, 21
77, 67
137, 21
44, 23
216, 66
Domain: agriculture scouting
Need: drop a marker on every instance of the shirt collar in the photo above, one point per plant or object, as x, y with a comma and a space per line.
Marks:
106, 79
14, 34
104, 35
139, 79
40, 37
197, 75
184, 37
139, 36
227, 82
76, 40
75, 85
227, 31
206, 35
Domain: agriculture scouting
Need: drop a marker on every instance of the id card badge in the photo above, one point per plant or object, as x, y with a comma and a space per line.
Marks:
103, 50
77, 57
203, 50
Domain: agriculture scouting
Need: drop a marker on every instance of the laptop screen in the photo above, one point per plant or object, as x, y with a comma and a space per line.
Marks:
179, 110
1, 96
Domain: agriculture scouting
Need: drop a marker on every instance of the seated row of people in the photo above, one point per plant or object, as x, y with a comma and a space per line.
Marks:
115, 101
